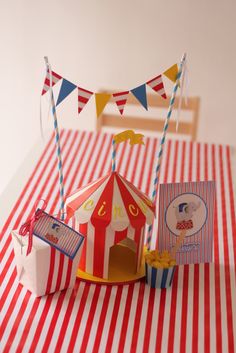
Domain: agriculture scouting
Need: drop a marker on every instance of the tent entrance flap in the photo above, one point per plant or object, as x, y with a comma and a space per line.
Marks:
123, 259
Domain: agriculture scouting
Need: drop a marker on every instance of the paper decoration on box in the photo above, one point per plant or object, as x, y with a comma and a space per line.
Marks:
53, 260
58, 235
109, 211
187, 207
101, 99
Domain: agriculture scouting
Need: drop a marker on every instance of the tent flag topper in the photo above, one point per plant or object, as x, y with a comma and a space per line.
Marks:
186, 220
57, 234
121, 137
109, 211
134, 139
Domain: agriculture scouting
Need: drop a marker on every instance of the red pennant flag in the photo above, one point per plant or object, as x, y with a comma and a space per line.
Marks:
55, 79
121, 99
157, 85
83, 98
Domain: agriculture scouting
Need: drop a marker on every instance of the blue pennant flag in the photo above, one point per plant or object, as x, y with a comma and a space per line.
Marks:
66, 88
140, 94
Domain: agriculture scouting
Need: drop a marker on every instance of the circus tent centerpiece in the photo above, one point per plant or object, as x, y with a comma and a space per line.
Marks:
108, 212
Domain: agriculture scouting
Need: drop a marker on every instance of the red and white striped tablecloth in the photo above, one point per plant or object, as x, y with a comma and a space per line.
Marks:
198, 314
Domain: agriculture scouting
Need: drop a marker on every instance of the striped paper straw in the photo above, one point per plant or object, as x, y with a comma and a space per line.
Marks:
162, 143
57, 137
113, 160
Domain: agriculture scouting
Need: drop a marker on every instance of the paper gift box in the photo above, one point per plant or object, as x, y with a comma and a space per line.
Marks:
46, 269
109, 211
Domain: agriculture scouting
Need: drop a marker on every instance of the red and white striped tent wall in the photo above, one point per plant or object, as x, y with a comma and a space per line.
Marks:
109, 211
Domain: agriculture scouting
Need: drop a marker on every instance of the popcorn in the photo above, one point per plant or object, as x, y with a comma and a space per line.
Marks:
159, 260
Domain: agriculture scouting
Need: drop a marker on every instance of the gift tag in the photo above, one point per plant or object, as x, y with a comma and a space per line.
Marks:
57, 234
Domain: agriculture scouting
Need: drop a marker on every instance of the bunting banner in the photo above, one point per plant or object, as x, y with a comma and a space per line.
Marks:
83, 98
101, 99
121, 99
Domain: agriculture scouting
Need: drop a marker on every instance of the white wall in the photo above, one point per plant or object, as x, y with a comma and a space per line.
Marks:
109, 43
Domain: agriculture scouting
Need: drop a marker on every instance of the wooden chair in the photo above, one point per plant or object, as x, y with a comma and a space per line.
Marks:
153, 124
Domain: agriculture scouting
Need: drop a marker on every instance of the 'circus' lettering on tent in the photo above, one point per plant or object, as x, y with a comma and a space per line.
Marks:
88, 205
101, 211
133, 210
117, 210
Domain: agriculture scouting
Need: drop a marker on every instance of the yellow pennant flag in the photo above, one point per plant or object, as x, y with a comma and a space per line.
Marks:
172, 72
129, 135
101, 101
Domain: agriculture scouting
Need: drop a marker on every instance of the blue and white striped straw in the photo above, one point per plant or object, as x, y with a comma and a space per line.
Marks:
57, 137
160, 152
113, 164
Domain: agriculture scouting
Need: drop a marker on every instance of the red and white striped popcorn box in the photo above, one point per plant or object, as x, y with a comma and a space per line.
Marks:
47, 268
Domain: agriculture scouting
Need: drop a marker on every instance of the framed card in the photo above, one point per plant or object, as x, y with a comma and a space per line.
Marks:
187, 207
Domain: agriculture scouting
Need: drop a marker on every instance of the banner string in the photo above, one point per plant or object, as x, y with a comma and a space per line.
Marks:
183, 92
